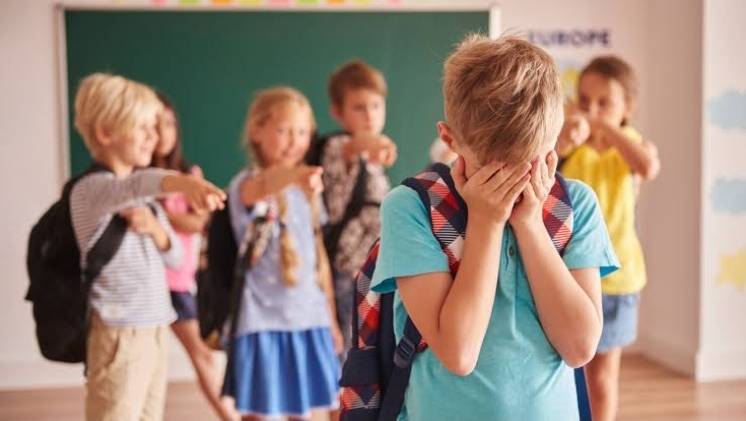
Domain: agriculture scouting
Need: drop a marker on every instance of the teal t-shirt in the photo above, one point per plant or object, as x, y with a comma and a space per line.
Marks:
519, 375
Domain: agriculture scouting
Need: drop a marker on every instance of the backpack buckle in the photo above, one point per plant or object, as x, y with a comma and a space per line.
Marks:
404, 352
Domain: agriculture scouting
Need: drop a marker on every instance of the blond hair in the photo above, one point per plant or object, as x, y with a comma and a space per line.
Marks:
289, 258
355, 74
503, 98
111, 103
260, 112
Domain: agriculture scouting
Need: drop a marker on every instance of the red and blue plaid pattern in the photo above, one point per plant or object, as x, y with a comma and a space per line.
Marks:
360, 397
557, 214
448, 217
367, 303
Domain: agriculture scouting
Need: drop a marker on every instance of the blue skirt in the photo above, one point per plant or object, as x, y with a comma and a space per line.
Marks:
275, 374
620, 321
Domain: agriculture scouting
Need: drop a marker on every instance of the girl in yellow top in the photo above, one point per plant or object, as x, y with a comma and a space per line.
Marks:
600, 148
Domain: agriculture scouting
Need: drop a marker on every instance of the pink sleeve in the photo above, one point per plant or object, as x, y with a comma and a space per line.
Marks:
176, 203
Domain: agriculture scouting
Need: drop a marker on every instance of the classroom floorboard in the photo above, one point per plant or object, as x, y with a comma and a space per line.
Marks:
648, 392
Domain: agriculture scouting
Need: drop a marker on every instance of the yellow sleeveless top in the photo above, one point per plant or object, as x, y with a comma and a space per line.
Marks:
608, 174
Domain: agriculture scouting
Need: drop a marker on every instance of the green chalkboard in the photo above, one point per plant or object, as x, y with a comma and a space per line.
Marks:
212, 63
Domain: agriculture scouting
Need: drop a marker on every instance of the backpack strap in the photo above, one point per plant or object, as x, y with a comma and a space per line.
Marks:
104, 249
367, 303
254, 243
333, 232
397, 386
449, 225
108, 243
438, 193
98, 257
558, 215
252, 247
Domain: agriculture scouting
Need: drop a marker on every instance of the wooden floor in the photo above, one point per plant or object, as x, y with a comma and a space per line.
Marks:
648, 392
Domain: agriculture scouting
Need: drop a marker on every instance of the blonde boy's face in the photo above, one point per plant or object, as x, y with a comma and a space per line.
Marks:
135, 147
284, 139
362, 112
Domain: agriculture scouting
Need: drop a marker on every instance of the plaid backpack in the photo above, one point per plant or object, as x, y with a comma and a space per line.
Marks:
376, 373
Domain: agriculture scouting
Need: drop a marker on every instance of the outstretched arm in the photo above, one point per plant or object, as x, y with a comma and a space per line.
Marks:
641, 157
275, 179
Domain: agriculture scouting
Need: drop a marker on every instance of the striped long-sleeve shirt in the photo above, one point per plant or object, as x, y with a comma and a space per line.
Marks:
131, 290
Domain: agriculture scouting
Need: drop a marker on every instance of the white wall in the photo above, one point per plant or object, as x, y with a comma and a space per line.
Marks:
30, 170
694, 306
671, 206
722, 352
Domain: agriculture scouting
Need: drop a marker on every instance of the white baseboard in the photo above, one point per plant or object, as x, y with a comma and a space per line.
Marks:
705, 366
38, 373
42, 374
713, 365
669, 354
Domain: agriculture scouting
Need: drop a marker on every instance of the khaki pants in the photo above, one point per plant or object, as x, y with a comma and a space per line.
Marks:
127, 372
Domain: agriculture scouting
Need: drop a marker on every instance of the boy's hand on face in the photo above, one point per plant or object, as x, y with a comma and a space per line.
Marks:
529, 210
141, 220
201, 195
308, 178
491, 192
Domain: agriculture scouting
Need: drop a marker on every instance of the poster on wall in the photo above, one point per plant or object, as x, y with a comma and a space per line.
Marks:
572, 48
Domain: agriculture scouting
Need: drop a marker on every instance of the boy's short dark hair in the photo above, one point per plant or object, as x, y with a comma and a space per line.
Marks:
355, 74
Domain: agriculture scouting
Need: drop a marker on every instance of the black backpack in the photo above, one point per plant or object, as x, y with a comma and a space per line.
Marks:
216, 276
333, 232
221, 276
58, 289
